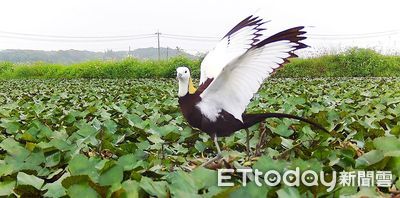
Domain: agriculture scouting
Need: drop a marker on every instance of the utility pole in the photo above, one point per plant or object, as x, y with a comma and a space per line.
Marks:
167, 53
158, 41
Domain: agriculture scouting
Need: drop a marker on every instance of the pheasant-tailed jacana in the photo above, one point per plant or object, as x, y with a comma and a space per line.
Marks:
232, 73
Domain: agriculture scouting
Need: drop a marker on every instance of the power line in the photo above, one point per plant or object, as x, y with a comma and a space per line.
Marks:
191, 36
190, 39
62, 38
74, 37
102, 37
74, 40
359, 34
347, 37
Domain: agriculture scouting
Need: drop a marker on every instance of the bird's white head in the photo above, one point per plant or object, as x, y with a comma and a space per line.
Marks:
185, 81
182, 73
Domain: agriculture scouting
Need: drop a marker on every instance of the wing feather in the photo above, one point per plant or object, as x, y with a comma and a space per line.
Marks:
241, 78
234, 44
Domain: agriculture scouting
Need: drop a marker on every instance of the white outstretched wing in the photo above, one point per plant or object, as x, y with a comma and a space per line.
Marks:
234, 44
240, 79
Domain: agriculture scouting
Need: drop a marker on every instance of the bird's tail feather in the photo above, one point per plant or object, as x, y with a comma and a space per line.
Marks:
251, 119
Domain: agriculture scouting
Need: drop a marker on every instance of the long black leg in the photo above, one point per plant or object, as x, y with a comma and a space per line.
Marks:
216, 144
248, 149
218, 156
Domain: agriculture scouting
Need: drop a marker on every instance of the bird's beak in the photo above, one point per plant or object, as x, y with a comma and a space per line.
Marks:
178, 76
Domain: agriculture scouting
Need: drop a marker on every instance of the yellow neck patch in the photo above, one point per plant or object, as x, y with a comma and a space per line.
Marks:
191, 87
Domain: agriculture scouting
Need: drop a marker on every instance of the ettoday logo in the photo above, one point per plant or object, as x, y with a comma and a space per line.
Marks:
307, 178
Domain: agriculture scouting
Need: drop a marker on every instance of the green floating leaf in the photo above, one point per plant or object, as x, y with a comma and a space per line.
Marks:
155, 138
283, 130
11, 126
389, 145
14, 148
204, 178
131, 188
367, 192
266, 163
200, 146
25, 179
251, 190
6, 187
36, 158
182, 184
80, 165
128, 162
154, 188
288, 192
111, 126
369, 158
56, 188
86, 131
82, 190
61, 145
395, 130
6, 169
53, 159
76, 179
111, 176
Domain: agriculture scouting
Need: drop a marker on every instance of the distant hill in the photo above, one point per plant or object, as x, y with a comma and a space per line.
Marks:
75, 56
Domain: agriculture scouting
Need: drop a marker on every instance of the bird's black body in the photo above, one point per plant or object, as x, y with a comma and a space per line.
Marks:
226, 124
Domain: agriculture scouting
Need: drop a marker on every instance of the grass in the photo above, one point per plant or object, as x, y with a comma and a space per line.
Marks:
355, 62
127, 68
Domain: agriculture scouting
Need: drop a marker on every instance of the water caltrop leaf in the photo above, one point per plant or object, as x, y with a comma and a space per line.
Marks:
10, 126
283, 130
53, 159
25, 179
266, 163
250, 190
204, 178
82, 190
56, 188
86, 131
128, 161
369, 158
182, 184
395, 130
131, 188
14, 148
155, 138
76, 179
111, 126
288, 192
81, 165
6, 169
6, 187
128, 138
200, 146
389, 145
154, 188
111, 176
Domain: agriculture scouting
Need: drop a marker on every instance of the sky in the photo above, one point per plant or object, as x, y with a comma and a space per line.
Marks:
194, 26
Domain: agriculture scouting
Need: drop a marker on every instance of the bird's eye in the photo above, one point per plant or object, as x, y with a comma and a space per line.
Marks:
185, 72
